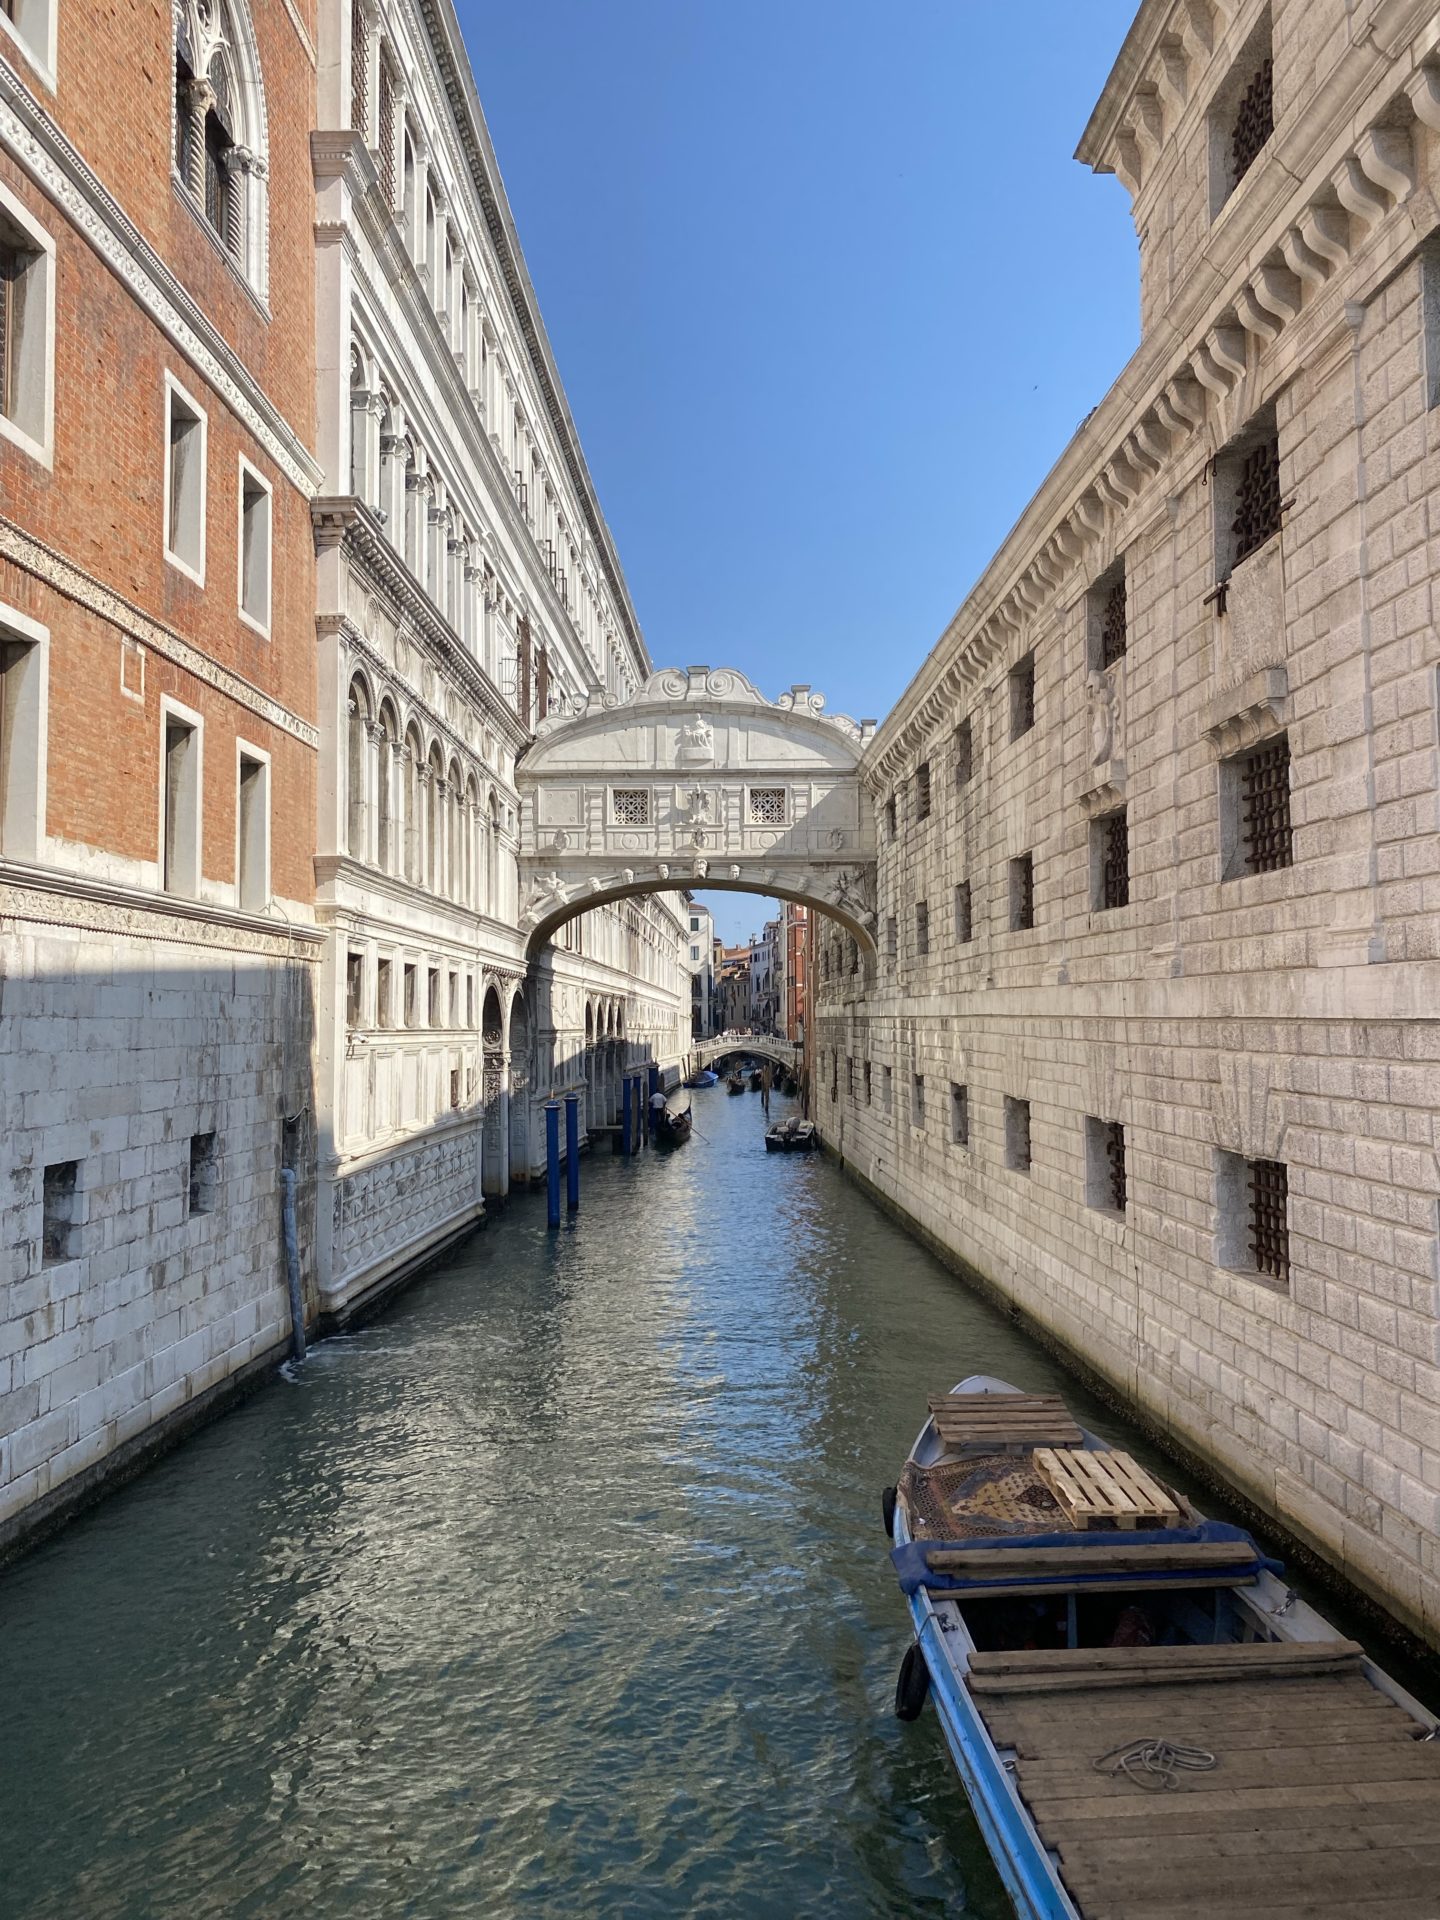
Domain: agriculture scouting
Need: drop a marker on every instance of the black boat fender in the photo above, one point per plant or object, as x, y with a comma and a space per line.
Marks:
887, 1509
912, 1684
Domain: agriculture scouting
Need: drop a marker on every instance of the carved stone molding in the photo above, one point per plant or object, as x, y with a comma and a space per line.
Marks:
1102, 789
1243, 715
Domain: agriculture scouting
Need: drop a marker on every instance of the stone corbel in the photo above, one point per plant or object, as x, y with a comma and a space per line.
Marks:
1173, 75
1423, 91
1149, 124
1387, 156
1308, 268
1090, 512
1193, 22
1254, 318
1326, 232
1102, 788
1125, 159
1240, 717
1226, 348
1356, 193
1151, 439
1277, 291
1181, 407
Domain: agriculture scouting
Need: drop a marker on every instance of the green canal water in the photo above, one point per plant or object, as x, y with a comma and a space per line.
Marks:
560, 1589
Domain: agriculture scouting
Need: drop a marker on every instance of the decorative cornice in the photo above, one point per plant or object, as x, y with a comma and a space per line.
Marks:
58, 169
52, 897
1241, 716
32, 556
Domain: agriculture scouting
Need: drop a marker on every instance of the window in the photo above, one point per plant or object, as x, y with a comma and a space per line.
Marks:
455, 1095
767, 806
1017, 1134
204, 1172
470, 1000
180, 802
221, 165
887, 1087
1105, 1183
1105, 621
849, 1076
917, 1100
412, 990
252, 825
1022, 696
890, 818
27, 328
1255, 830
254, 548
1245, 497
964, 754
1109, 862
359, 69
922, 791
892, 937
59, 1213
354, 989
24, 659
384, 1012
31, 25
184, 482
1253, 1199
1022, 893
834, 1073
868, 1078
964, 915
432, 999
630, 806
1243, 116
959, 1114
454, 1000
922, 926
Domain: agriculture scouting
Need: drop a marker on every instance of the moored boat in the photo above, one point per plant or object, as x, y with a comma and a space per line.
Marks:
790, 1136
734, 1084
757, 1080
703, 1077
671, 1129
1087, 1635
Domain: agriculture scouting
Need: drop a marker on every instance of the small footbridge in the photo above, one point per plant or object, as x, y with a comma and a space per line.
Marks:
696, 780
780, 1052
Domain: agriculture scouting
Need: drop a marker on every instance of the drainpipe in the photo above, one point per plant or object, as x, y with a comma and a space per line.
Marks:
292, 1264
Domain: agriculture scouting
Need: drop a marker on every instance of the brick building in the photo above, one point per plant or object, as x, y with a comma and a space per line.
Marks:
157, 715
1153, 1043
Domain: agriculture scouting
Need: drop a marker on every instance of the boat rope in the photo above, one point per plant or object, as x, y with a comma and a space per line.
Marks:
1154, 1764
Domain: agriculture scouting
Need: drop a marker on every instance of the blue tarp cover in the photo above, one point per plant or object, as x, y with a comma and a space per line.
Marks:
912, 1566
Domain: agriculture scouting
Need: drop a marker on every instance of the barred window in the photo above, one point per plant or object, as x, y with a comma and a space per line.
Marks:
1255, 828
1106, 618
386, 131
868, 1079
1022, 893
1017, 1134
917, 1100
1110, 861
964, 917
959, 1114
887, 1087
631, 806
849, 1076
892, 937
1257, 499
767, 806
1022, 696
1254, 121
359, 69
922, 791
1105, 1179
59, 1213
890, 818
922, 926
1269, 1218
964, 753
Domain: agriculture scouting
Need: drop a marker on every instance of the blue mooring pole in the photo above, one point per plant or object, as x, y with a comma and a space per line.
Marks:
627, 1122
572, 1152
552, 1162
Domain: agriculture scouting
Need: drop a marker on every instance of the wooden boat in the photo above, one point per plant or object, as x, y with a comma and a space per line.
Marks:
671, 1129
1086, 1635
703, 1077
734, 1084
777, 1138
757, 1080
790, 1136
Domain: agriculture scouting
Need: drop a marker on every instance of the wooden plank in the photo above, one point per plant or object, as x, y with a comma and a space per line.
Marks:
1240, 1805
1251, 1656
1402, 1907
1115, 1555
1178, 1583
1331, 1838
1393, 1760
1267, 1736
1338, 1878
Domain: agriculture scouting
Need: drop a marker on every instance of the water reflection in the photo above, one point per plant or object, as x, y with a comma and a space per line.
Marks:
561, 1588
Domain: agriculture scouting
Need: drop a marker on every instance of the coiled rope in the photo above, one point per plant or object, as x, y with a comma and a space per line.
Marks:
1154, 1764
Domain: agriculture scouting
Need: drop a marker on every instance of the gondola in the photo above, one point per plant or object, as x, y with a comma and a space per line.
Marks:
757, 1081
1144, 1715
671, 1129
734, 1084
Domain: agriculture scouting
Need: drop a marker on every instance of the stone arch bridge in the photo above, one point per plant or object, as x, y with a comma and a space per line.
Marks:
696, 780
781, 1052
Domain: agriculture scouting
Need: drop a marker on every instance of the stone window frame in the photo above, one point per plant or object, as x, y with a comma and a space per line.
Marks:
30, 25
62, 1211
887, 1089
1225, 471
922, 928
27, 417
24, 749
1023, 689
613, 795
1097, 602
868, 1079
1235, 860
917, 1101
196, 477
1220, 119
253, 485
253, 836
1100, 1175
203, 1182
1019, 1135
1234, 1219
187, 864
960, 1113
964, 743
752, 796
964, 912
922, 791
1101, 827
1020, 869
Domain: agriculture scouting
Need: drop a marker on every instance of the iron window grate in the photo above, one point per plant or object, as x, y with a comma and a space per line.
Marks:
922, 791
1254, 120
1269, 1230
387, 132
922, 926
964, 912
964, 754
1115, 861
359, 71
1265, 807
1112, 625
1114, 1142
960, 1114
1022, 697
1257, 499
1022, 893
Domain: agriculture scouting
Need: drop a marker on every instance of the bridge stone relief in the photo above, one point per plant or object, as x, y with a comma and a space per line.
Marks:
696, 780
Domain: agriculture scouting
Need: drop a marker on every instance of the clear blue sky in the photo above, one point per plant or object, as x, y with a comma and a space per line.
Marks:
828, 294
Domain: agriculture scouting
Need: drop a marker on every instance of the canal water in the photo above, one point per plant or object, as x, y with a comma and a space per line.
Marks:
560, 1589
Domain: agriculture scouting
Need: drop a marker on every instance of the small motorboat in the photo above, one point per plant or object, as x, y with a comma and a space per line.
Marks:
777, 1138
671, 1129
703, 1077
734, 1084
790, 1136
1142, 1712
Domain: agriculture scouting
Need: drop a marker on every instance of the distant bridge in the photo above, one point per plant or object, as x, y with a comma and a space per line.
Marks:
781, 1052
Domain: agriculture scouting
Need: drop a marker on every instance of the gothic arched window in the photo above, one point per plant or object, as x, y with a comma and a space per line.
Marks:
220, 137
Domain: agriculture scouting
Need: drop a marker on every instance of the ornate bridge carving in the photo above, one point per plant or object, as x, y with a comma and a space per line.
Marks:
697, 780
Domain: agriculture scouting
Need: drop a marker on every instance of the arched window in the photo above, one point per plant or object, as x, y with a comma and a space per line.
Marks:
455, 829
492, 859
435, 820
359, 427
414, 789
389, 735
357, 744
221, 145
474, 837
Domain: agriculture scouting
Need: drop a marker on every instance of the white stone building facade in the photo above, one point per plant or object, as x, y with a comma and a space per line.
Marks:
467, 587
1152, 1040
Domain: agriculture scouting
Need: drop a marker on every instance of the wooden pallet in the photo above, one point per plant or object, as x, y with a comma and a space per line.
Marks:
998, 1421
1109, 1487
